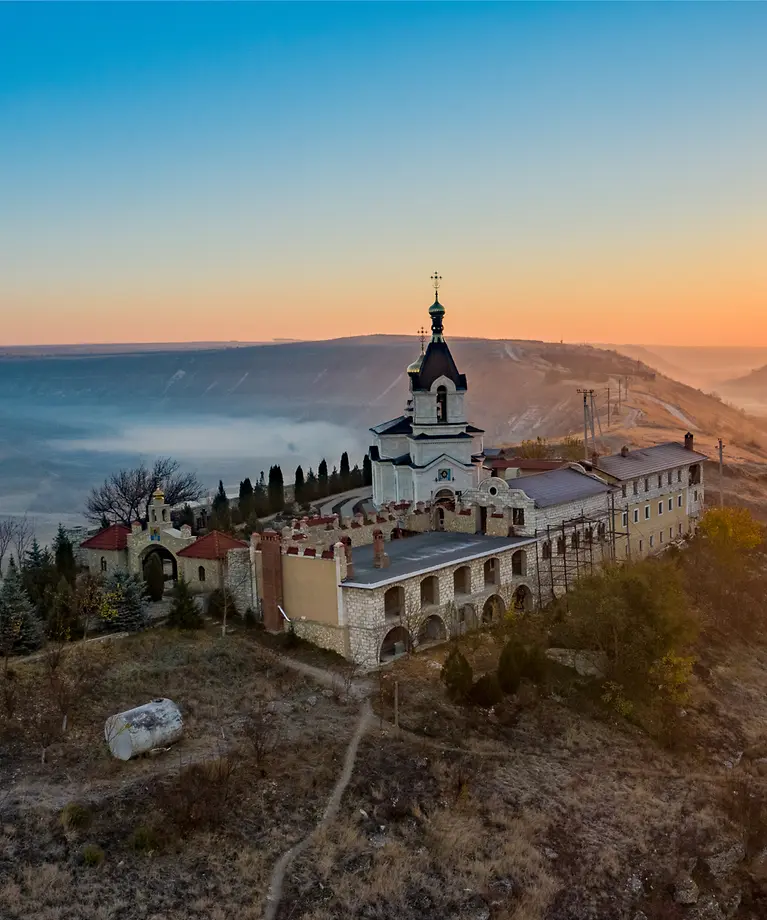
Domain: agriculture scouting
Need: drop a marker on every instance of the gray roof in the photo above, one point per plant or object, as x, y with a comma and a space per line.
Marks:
555, 487
648, 460
424, 553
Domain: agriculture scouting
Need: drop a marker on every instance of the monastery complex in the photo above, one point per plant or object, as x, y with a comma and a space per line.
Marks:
459, 533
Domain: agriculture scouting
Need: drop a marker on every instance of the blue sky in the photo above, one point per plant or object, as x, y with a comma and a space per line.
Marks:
218, 171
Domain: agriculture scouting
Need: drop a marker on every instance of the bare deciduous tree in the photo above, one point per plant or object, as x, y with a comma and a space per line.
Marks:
23, 532
6, 538
125, 496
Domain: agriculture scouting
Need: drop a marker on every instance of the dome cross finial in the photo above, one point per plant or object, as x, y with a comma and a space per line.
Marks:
435, 280
436, 310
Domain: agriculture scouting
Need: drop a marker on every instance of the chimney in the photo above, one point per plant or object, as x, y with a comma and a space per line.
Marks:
186, 531
348, 553
624, 451
380, 559
689, 440
135, 527
271, 567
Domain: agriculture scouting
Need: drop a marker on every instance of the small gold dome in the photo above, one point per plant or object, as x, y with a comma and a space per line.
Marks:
159, 495
415, 367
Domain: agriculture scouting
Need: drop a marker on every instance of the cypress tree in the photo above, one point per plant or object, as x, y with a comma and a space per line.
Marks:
299, 486
367, 471
310, 488
344, 471
276, 489
322, 478
125, 607
334, 482
246, 498
20, 630
154, 577
355, 477
184, 612
220, 499
64, 556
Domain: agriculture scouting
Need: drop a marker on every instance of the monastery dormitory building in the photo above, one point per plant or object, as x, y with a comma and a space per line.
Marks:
458, 536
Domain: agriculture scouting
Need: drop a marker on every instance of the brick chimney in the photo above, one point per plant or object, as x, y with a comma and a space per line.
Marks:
624, 451
348, 553
689, 440
271, 592
380, 558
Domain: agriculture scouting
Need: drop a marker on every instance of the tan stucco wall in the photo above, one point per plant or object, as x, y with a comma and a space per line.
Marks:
310, 588
189, 570
116, 560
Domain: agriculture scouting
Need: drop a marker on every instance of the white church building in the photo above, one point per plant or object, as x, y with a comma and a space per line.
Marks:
431, 452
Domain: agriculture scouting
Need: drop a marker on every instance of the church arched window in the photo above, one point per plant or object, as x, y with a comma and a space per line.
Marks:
441, 404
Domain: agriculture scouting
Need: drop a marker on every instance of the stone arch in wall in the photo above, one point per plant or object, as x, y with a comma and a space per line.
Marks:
492, 570
167, 560
519, 562
522, 599
396, 642
492, 609
432, 629
467, 616
462, 580
394, 602
430, 591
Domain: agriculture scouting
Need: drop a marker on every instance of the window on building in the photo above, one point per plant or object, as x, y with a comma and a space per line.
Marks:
679, 501
575, 540
518, 517
671, 533
201, 573
636, 487
561, 546
647, 485
678, 475
636, 515
669, 477
441, 404
695, 495
661, 536
660, 482
103, 564
546, 550
601, 532
641, 546
671, 504
652, 541
680, 528
647, 512
589, 534
623, 490
660, 507
625, 519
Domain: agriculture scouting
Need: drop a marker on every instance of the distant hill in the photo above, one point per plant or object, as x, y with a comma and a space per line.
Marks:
517, 389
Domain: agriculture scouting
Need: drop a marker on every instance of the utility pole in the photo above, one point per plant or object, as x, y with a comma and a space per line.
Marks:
619, 394
594, 412
608, 407
588, 395
721, 474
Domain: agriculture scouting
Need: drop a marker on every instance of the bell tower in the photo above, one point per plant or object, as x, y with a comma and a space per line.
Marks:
159, 514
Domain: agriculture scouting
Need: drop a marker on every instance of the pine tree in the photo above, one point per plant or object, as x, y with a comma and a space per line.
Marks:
220, 499
334, 482
125, 603
64, 556
246, 498
20, 629
367, 471
154, 576
104, 523
184, 612
299, 486
344, 471
38, 575
260, 498
355, 477
221, 518
322, 478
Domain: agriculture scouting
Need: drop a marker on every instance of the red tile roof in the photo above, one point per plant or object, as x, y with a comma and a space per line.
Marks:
114, 537
214, 545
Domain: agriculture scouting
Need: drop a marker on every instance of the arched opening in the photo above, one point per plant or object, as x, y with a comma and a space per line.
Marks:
396, 642
439, 518
492, 573
432, 630
467, 616
462, 580
394, 602
519, 561
429, 591
168, 560
441, 404
201, 573
492, 610
523, 598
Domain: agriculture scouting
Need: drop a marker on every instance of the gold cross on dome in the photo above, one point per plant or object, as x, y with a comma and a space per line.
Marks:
422, 335
435, 280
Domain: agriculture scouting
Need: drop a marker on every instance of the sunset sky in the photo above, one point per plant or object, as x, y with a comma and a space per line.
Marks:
229, 171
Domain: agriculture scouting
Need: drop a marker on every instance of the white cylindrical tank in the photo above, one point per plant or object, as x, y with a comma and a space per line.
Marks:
153, 725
